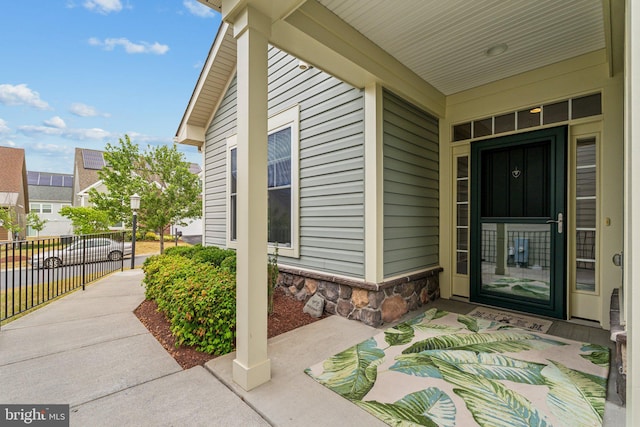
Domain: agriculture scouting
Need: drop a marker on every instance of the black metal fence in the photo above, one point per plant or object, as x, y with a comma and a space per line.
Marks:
33, 272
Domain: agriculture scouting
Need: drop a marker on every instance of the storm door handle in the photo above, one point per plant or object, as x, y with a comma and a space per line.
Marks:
559, 222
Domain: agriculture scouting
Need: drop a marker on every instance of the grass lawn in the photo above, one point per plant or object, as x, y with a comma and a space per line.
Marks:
149, 248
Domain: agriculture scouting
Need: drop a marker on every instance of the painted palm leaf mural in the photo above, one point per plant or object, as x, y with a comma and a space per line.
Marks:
445, 369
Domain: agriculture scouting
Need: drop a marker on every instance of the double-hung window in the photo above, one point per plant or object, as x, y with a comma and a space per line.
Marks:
282, 183
40, 207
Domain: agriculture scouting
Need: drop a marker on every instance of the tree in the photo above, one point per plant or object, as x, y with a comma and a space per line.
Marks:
169, 192
34, 221
9, 219
86, 220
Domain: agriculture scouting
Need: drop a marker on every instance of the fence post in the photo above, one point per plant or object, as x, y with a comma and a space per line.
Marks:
84, 260
122, 259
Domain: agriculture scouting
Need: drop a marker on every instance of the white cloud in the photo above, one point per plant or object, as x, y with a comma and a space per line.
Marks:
198, 9
103, 6
21, 95
4, 127
55, 122
84, 110
9, 143
78, 134
40, 130
129, 46
140, 138
93, 133
51, 148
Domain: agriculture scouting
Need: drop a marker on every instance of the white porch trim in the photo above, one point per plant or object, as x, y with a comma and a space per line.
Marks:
252, 367
631, 207
374, 185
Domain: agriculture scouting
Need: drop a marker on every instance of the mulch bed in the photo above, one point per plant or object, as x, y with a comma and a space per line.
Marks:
287, 315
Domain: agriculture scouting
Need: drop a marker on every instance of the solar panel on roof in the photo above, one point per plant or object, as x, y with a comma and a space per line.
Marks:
44, 179
92, 159
32, 178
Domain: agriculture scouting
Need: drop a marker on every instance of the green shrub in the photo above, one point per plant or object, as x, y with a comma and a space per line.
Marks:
150, 235
161, 272
139, 235
229, 264
185, 251
203, 310
195, 287
212, 255
272, 279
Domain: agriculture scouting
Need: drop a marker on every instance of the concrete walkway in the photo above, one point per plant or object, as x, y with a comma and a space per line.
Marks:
89, 350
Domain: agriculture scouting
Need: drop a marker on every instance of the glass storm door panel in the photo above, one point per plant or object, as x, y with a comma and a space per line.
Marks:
518, 228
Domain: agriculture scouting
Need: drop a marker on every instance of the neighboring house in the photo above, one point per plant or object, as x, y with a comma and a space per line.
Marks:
192, 231
432, 149
14, 191
48, 193
87, 164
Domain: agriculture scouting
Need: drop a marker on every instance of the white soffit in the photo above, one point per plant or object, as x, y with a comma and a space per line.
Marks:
213, 80
444, 42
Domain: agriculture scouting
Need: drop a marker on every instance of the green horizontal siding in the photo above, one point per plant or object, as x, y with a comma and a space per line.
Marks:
411, 197
222, 126
331, 165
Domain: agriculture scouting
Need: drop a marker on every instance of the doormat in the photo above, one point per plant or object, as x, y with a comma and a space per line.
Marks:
513, 319
446, 369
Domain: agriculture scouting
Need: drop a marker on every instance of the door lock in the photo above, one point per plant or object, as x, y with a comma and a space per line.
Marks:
558, 221
618, 259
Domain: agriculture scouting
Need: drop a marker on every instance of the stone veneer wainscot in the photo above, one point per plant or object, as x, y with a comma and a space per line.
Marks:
370, 303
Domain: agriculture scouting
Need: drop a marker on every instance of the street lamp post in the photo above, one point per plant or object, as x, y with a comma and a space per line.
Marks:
135, 205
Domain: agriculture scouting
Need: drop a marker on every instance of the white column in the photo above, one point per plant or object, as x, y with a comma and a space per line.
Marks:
251, 366
374, 185
632, 207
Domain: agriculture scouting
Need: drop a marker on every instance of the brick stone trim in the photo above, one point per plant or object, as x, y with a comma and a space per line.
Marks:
370, 303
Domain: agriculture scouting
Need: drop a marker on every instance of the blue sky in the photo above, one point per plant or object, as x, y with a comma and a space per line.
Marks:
81, 73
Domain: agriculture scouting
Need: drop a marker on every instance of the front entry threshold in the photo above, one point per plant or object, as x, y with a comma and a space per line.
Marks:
251, 377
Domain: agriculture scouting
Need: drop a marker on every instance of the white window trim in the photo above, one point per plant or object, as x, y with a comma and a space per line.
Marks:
232, 142
287, 118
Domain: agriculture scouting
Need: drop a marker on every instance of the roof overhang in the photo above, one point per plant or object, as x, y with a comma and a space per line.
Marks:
213, 4
210, 88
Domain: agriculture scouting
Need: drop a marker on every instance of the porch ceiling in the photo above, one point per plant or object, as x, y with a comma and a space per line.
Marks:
445, 42
408, 43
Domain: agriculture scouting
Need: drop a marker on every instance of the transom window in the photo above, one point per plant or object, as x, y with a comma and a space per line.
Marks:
536, 115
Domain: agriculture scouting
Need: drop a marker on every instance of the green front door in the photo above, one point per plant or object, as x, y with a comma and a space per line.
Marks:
518, 222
